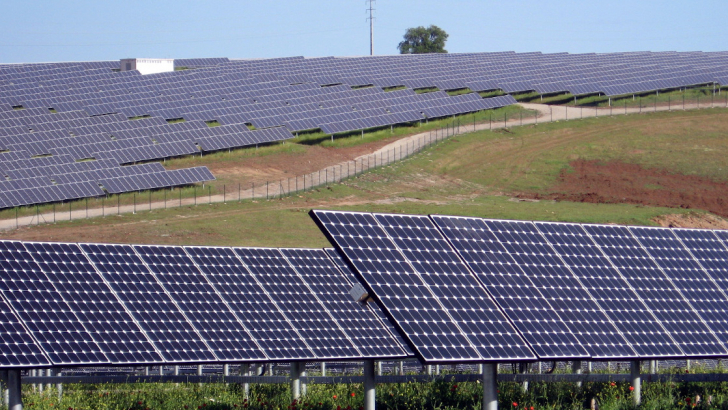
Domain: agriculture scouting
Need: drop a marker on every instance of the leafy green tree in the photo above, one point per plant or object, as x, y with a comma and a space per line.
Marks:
420, 40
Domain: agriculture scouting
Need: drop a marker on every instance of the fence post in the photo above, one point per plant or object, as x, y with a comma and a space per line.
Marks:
224, 193
266, 190
134, 195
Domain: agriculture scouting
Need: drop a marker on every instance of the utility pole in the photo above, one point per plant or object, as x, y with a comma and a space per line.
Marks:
371, 26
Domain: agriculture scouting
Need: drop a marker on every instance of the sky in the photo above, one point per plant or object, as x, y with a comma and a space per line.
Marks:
93, 30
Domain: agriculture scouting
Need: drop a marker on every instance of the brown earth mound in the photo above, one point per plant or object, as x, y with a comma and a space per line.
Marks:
618, 182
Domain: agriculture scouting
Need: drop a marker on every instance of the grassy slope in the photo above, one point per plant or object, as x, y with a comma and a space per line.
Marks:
473, 174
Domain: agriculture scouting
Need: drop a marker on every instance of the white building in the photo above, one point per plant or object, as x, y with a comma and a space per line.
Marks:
148, 65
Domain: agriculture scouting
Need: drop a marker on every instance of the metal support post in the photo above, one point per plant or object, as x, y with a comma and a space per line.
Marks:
653, 366
323, 369
161, 370
59, 386
304, 389
296, 380
15, 401
490, 386
40, 373
636, 381
245, 371
379, 368
226, 370
49, 372
370, 394
576, 369
199, 373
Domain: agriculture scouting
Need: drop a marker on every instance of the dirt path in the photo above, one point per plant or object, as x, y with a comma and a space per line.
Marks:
366, 156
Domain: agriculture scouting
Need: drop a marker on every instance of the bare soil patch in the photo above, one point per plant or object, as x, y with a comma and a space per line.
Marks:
619, 182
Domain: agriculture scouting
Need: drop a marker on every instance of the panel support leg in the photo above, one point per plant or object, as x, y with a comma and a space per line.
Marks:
576, 369
323, 369
653, 366
370, 394
59, 386
636, 381
490, 386
15, 401
245, 371
296, 380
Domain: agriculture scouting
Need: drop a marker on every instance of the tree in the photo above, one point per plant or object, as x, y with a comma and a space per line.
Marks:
420, 40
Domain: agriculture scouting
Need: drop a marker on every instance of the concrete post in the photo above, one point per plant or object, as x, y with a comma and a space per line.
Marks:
59, 386
401, 367
323, 369
304, 388
176, 370
653, 366
271, 369
437, 369
370, 394
245, 371
226, 370
490, 386
636, 381
15, 401
379, 368
49, 372
146, 371
40, 373
296, 380
199, 373
161, 370
576, 369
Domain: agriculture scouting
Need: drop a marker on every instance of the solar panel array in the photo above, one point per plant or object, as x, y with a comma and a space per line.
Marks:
53, 115
571, 291
92, 304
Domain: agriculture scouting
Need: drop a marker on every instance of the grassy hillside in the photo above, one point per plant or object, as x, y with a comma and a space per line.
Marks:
475, 174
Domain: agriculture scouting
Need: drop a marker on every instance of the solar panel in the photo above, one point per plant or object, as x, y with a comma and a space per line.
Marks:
149, 304
331, 289
666, 302
521, 296
200, 303
18, 347
371, 305
457, 289
687, 275
248, 300
399, 288
93, 303
39, 306
611, 291
288, 291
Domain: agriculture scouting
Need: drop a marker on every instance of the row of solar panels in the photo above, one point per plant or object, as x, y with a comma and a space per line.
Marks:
470, 289
66, 187
95, 304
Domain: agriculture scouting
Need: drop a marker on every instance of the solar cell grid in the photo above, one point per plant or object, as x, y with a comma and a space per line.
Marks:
449, 280
148, 303
16, 343
670, 307
614, 295
200, 303
260, 315
331, 288
511, 287
687, 276
39, 306
288, 291
93, 303
397, 286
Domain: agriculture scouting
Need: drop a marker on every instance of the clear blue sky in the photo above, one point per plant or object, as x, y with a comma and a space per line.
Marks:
85, 30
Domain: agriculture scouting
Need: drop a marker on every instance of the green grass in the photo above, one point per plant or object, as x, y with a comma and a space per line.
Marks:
474, 174
436, 395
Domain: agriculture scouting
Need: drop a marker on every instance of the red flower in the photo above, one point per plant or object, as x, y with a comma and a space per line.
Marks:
687, 371
612, 384
531, 408
334, 397
515, 404
687, 400
139, 403
631, 388
338, 407
352, 394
